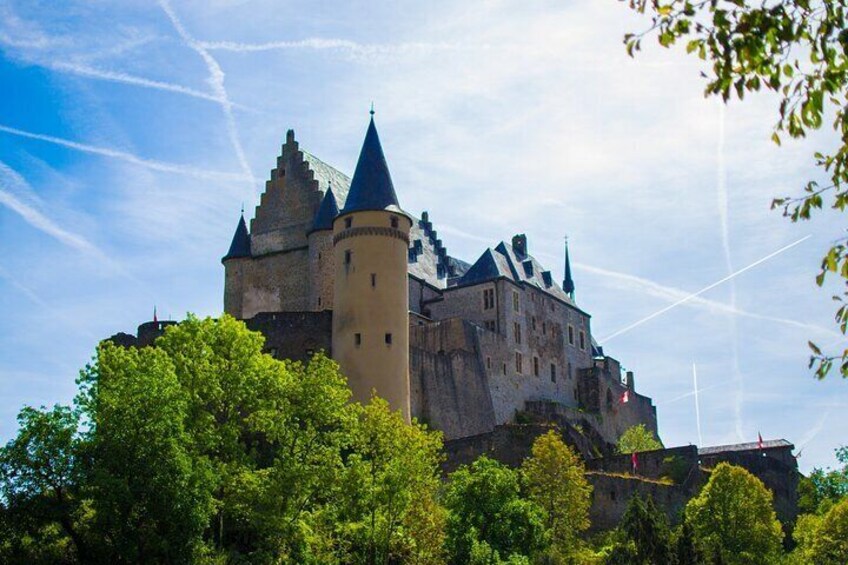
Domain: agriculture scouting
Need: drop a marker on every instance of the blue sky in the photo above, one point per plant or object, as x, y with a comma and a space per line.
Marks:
131, 133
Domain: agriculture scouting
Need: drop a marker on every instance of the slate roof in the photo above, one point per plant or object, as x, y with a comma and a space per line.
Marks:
750, 446
328, 176
425, 262
240, 246
503, 261
327, 212
371, 187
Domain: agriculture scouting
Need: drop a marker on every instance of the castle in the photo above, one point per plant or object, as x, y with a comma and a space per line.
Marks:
341, 266
491, 353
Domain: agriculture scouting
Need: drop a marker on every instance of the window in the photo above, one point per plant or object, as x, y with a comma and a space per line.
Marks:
582, 339
535, 366
348, 255
319, 301
388, 339
612, 495
357, 339
319, 255
570, 334
516, 328
553, 373
489, 363
488, 298
544, 328
373, 280
532, 297
515, 300
518, 362
504, 368
489, 325
348, 222
533, 322
394, 221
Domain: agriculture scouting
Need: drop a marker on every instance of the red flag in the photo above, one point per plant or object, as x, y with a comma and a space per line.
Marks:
634, 460
625, 398
759, 440
155, 319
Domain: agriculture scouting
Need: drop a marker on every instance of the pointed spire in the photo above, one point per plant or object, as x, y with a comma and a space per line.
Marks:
371, 187
568, 282
240, 247
327, 212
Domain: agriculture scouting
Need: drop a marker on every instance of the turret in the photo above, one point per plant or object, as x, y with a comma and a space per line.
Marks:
568, 282
320, 240
235, 263
371, 293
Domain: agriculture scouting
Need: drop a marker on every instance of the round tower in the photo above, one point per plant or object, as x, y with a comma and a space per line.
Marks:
371, 290
236, 263
320, 241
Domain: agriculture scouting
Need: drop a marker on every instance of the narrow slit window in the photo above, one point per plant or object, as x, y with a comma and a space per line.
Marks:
373, 280
348, 222
553, 373
388, 339
357, 339
348, 256
535, 366
394, 222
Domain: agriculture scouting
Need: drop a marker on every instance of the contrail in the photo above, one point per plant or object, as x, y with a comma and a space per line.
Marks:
705, 289
216, 82
697, 404
319, 44
692, 393
723, 203
128, 157
112, 76
671, 293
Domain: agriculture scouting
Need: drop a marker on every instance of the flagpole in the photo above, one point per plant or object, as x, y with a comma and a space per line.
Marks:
697, 405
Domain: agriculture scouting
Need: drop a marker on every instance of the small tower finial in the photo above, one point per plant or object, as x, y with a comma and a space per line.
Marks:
372, 109
242, 208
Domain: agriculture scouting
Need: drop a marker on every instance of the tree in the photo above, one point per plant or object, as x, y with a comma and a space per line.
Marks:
824, 487
390, 478
798, 49
485, 505
830, 546
555, 479
151, 500
40, 488
734, 518
645, 530
638, 438
685, 549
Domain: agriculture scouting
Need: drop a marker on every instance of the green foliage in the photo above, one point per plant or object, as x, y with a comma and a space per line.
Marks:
638, 438
676, 468
824, 487
799, 50
203, 449
686, 552
733, 518
484, 504
393, 470
647, 538
831, 543
555, 480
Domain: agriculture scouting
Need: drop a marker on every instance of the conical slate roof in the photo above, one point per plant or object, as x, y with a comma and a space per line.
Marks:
240, 247
371, 187
327, 212
568, 282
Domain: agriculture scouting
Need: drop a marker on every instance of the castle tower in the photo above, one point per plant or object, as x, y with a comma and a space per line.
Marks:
371, 293
235, 262
320, 239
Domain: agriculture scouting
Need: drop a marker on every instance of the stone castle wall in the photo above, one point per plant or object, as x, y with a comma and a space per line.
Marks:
448, 383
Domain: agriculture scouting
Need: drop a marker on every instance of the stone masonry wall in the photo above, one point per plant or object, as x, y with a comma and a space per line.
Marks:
294, 335
448, 383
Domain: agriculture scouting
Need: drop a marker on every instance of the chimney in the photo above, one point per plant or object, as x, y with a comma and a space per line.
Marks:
519, 243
